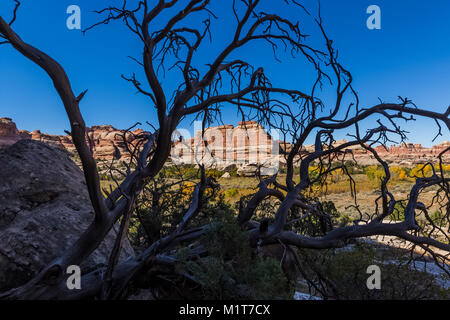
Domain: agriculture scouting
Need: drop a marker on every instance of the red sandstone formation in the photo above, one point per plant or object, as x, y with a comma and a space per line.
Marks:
415, 153
246, 143
9, 133
106, 141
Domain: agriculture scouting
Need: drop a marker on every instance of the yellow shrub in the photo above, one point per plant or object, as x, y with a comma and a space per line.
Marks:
402, 175
421, 171
398, 173
187, 188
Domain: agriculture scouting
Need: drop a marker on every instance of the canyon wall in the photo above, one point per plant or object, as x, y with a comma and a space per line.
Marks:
9, 133
246, 143
106, 142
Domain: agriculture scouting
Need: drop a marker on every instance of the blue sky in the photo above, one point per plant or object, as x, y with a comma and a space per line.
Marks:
409, 56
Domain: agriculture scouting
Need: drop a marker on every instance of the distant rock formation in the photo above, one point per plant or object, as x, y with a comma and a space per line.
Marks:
246, 144
405, 154
414, 149
224, 145
409, 154
9, 133
106, 141
44, 208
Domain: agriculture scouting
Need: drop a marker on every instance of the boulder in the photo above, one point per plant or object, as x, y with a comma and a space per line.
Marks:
227, 167
44, 208
226, 175
248, 170
251, 170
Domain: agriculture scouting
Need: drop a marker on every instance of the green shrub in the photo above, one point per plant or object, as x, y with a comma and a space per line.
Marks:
319, 225
375, 174
345, 274
438, 218
399, 211
231, 270
233, 173
229, 193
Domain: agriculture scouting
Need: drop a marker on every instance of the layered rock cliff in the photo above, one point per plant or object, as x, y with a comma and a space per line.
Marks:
106, 141
9, 133
246, 143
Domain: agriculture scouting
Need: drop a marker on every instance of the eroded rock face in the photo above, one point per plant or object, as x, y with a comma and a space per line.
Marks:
9, 133
248, 145
226, 146
405, 154
105, 141
108, 142
44, 208
220, 147
64, 142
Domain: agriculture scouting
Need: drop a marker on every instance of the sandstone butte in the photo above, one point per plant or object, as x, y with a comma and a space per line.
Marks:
106, 141
248, 142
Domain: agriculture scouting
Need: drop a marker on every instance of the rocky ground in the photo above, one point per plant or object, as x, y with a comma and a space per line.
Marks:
366, 199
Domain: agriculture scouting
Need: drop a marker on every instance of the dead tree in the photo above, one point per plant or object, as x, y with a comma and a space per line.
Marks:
202, 92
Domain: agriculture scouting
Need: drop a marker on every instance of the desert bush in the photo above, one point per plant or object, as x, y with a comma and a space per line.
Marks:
341, 274
399, 211
231, 270
438, 218
375, 175
420, 171
187, 171
233, 173
353, 167
229, 193
319, 224
214, 173
398, 173
159, 210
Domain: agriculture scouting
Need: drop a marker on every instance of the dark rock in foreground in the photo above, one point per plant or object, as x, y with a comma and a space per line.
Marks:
44, 208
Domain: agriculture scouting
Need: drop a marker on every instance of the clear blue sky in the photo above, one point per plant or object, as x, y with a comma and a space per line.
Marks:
409, 56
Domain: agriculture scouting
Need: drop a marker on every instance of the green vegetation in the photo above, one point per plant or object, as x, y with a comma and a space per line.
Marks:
439, 218
188, 172
319, 225
232, 270
399, 211
344, 273
229, 193
375, 174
